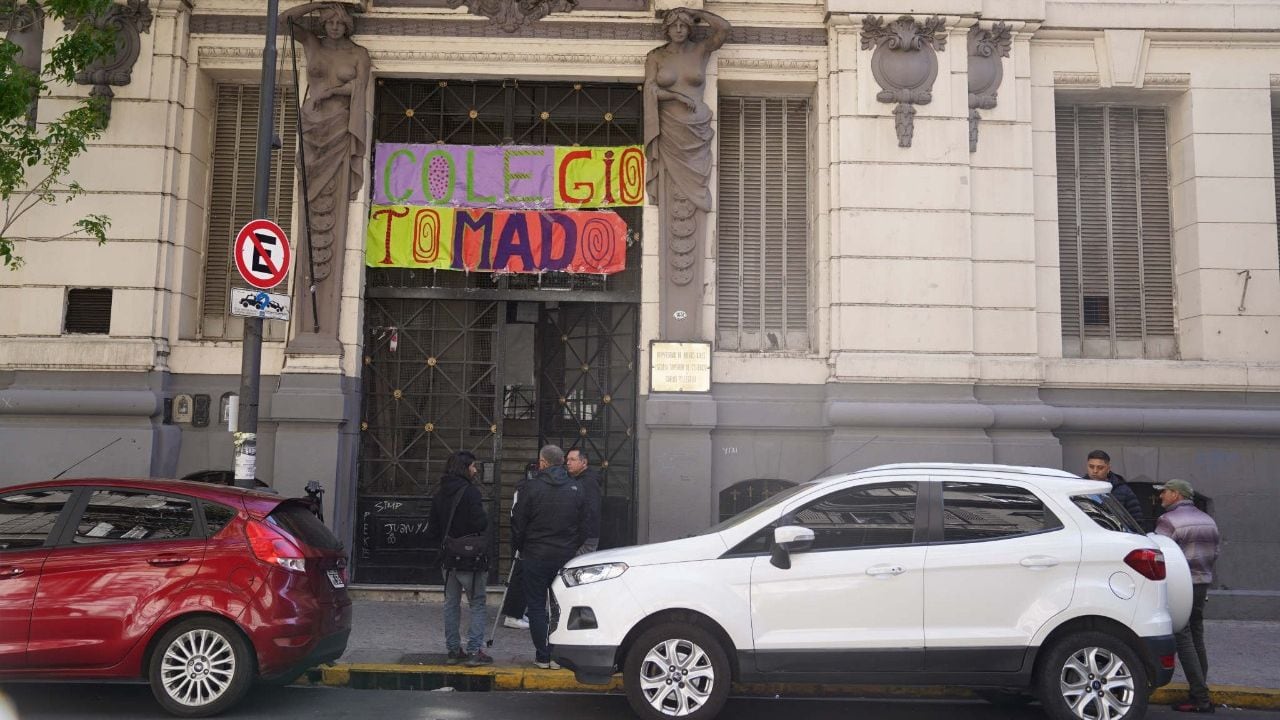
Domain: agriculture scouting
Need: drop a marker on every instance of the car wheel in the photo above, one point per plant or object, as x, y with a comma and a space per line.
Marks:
676, 670
200, 667
1093, 676
1005, 698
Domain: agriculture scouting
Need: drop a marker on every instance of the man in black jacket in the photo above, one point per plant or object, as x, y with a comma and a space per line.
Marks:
547, 528
578, 464
1099, 468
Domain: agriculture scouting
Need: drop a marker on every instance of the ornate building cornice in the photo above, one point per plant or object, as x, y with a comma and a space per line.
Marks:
1081, 80
210, 24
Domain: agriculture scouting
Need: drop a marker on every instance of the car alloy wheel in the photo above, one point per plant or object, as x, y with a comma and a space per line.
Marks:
676, 670
198, 667
1094, 676
677, 678
1097, 684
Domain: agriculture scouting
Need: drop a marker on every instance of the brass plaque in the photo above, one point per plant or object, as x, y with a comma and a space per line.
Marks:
680, 367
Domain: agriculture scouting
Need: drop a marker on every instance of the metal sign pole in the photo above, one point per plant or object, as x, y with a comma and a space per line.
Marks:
246, 435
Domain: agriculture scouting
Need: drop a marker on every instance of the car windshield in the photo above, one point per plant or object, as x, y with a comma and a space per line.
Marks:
1107, 512
756, 510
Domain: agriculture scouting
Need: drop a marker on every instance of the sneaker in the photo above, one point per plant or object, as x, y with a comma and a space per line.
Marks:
479, 658
1191, 707
456, 656
548, 665
515, 623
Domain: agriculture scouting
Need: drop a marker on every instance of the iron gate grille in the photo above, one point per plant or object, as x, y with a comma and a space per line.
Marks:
587, 399
432, 381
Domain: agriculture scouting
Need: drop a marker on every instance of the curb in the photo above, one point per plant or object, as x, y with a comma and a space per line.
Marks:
509, 678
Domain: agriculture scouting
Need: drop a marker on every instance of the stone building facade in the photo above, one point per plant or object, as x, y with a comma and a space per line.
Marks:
1049, 226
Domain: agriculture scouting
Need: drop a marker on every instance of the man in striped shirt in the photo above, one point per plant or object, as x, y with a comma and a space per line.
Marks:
1197, 534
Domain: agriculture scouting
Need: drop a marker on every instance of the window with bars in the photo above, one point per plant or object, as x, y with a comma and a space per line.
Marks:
762, 247
1114, 232
234, 155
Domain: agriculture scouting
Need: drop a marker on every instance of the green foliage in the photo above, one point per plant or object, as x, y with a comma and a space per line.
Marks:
36, 157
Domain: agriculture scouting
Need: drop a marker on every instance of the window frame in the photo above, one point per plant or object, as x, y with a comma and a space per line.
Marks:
937, 530
59, 524
920, 528
741, 338
1078, 303
81, 503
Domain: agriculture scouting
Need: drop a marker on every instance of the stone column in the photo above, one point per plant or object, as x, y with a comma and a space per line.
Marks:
679, 464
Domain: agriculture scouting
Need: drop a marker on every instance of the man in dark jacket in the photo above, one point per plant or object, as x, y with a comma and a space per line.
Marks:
1099, 468
456, 487
578, 464
547, 528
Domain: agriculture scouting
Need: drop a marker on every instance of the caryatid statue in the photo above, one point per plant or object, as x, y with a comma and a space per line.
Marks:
677, 138
332, 156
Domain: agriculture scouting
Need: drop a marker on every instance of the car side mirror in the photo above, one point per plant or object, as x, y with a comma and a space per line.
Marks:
786, 540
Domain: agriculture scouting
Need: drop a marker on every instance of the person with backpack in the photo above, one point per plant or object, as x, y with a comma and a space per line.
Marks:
458, 522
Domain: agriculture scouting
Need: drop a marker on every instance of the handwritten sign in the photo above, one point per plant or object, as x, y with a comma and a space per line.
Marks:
514, 177
680, 367
496, 240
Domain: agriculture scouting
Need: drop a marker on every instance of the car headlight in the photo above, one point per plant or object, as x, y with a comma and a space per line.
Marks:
574, 577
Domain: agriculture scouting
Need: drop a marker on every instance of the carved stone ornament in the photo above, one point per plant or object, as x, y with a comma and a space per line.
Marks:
905, 64
511, 15
24, 27
986, 72
128, 21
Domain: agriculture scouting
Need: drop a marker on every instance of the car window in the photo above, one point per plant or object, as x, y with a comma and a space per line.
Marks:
863, 516
302, 524
989, 511
124, 515
216, 517
27, 518
758, 509
1107, 512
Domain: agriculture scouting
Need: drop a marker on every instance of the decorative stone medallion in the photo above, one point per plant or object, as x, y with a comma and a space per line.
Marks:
986, 71
905, 64
128, 21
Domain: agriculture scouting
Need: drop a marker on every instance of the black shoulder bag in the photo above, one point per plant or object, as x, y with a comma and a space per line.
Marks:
469, 552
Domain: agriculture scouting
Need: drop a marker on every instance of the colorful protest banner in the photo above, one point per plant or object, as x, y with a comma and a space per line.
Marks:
515, 177
483, 240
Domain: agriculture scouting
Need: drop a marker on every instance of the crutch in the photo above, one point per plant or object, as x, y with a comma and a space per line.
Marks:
497, 617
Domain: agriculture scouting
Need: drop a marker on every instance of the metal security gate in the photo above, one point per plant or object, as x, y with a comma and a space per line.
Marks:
433, 379
587, 399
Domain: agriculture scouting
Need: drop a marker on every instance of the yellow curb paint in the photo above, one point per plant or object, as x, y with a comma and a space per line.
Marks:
511, 678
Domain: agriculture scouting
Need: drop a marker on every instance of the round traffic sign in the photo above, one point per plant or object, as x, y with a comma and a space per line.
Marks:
262, 254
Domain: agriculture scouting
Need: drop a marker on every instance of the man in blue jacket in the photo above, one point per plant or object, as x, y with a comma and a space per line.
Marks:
548, 525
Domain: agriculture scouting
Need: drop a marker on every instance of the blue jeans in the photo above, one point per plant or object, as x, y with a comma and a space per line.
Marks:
538, 576
457, 582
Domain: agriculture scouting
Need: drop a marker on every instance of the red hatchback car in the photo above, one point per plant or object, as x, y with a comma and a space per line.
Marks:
199, 590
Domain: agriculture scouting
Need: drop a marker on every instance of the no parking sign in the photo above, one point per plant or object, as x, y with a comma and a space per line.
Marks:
262, 254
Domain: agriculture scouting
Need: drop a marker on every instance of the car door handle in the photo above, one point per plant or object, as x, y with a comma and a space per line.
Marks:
885, 570
1038, 562
9, 572
167, 560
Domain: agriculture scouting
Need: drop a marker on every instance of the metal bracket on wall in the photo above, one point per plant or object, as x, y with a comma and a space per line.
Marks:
1245, 290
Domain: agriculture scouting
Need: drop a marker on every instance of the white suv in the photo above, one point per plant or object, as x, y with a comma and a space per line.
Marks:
1019, 582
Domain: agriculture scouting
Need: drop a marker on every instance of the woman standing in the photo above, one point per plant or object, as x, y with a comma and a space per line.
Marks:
333, 144
457, 511
677, 122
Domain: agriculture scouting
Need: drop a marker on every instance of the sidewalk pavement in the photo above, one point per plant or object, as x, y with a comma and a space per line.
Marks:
400, 645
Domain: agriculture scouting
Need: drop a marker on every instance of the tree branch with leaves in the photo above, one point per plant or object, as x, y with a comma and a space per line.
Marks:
35, 156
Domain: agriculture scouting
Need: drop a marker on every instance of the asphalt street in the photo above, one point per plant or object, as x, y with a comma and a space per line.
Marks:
55, 702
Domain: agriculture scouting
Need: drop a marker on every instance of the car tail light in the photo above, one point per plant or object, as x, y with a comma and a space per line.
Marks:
1166, 662
274, 547
1148, 563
